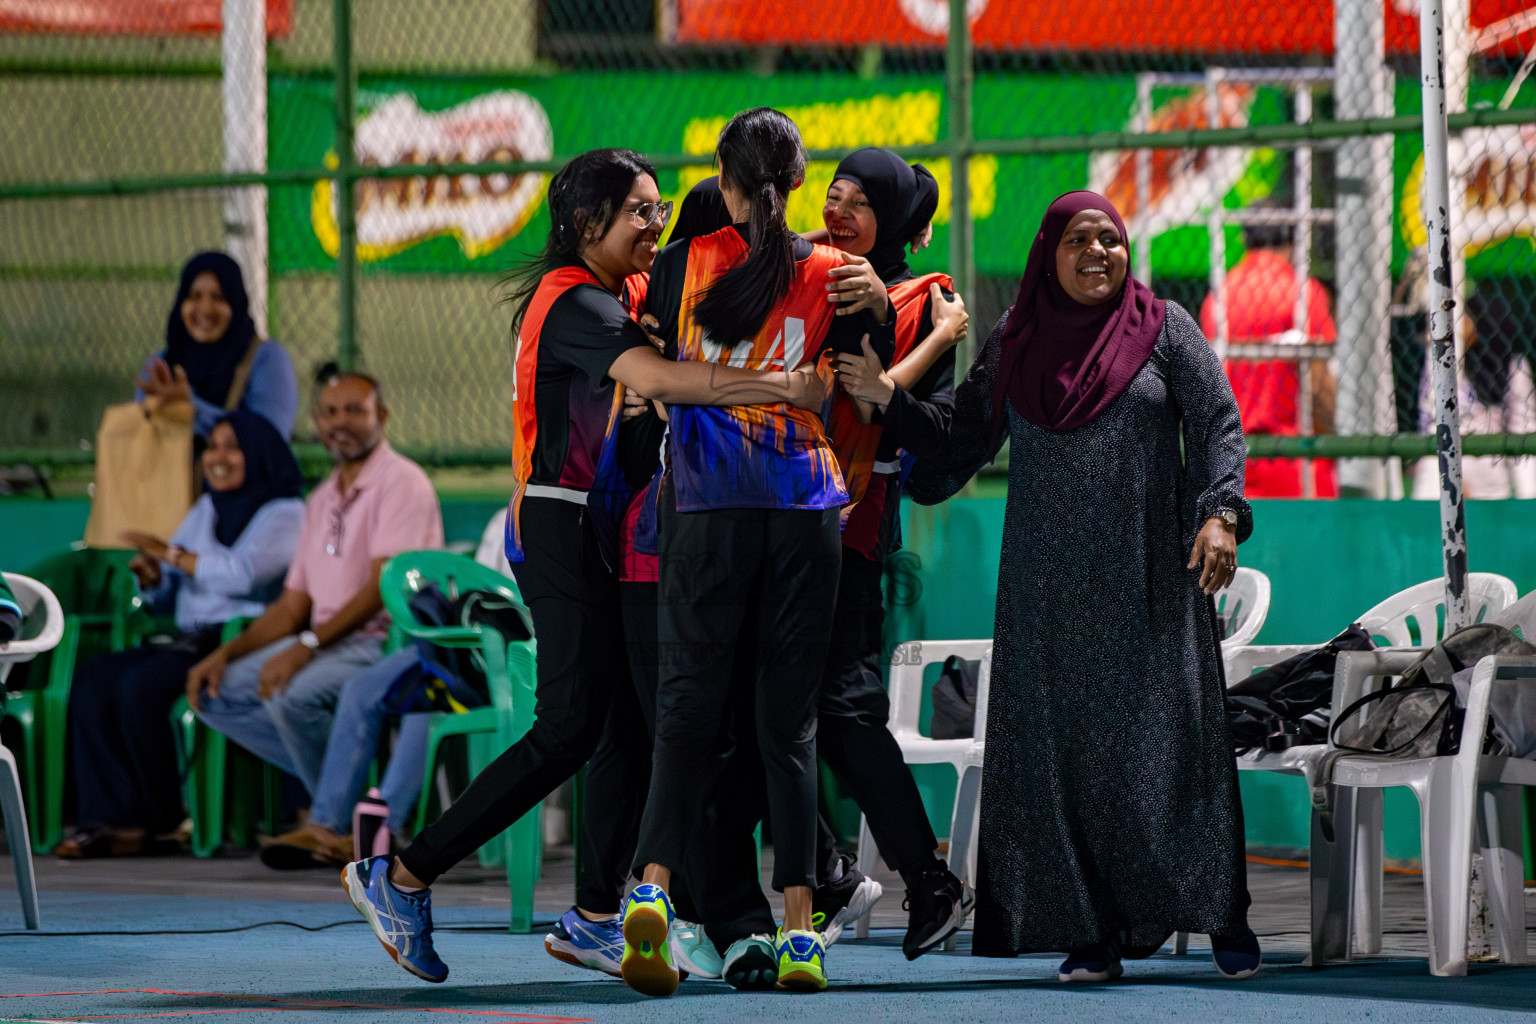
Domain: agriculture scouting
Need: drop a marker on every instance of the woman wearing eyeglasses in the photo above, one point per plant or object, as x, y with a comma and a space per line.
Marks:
576, 341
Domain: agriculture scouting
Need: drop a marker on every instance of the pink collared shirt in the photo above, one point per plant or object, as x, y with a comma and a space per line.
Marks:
391, 508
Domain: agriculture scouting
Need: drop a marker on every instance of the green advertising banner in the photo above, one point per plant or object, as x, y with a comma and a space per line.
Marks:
481, 223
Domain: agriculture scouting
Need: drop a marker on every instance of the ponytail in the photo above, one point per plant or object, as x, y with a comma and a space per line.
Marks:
761, 157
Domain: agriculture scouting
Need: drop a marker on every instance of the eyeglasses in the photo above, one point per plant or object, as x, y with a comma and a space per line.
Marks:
648, 215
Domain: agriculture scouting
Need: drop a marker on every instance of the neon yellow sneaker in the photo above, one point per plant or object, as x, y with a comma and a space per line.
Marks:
647, 963
802, 957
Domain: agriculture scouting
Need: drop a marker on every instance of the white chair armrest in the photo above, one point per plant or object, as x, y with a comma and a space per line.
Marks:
1241, 662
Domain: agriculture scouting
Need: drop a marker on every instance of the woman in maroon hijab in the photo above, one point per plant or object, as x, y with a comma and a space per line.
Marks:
1110, 810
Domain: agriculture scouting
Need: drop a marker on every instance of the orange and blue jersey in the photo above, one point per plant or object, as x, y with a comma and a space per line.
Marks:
565, 409
757, 456
856, 443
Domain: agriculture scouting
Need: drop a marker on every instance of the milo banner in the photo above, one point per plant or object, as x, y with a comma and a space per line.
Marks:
481, 223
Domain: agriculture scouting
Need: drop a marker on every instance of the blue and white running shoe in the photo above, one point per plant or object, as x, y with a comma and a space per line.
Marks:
595, 945
402, 922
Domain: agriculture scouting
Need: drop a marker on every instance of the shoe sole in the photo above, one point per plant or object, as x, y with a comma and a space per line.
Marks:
803, 978
648, 974
864, 899
576, 956
955, 923
1240, 975
358, 895
760, 973
1115, 970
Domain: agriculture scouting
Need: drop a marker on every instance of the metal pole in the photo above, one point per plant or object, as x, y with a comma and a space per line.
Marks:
1442, 314
346, 211
1216, 227
959, 78
1301, 261
1143, 123
244, 77
1363, 242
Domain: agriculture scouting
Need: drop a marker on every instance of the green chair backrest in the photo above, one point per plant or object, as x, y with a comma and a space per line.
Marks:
88, 581
409, 571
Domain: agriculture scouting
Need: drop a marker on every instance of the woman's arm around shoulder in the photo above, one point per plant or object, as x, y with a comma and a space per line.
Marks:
970, 444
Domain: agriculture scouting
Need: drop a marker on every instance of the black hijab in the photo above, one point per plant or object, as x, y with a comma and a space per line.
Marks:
899, 193
271, 472
210, 368
703, 212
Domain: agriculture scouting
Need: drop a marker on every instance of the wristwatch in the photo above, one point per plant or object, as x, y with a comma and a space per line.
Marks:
1226, 515
308, 639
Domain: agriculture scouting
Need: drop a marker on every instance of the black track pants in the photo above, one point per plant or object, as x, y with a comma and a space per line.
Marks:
853, 738
583, 678
780, 567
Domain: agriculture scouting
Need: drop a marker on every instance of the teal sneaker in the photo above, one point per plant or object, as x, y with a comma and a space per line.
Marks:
802, 961
693, 951
750, 964
647, 965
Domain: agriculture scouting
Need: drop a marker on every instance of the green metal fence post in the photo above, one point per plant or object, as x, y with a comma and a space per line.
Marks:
346, 210
959, 77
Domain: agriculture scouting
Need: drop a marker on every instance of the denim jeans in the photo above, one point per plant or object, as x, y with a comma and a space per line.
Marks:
291, 729
360, 718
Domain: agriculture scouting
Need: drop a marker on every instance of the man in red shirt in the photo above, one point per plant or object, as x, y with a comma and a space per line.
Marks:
1261, 308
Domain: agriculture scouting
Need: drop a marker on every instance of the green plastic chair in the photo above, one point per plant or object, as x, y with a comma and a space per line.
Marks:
509, 668
102, 613
223, 787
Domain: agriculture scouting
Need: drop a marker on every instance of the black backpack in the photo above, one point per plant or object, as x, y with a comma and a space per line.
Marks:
1288, 703
453, 678
954, 700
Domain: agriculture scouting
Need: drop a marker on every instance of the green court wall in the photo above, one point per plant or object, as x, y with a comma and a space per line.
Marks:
1328, 562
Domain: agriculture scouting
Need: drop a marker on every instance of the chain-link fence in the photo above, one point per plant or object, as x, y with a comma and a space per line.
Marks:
1296, 239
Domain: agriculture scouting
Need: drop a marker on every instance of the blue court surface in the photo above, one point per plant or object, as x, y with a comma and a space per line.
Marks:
339, 973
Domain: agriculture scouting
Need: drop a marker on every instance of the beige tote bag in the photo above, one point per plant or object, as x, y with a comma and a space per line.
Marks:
144, 472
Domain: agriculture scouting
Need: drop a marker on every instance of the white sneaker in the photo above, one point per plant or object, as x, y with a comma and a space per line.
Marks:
692, 950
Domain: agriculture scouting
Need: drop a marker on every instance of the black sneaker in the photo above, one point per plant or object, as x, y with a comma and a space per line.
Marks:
937, 906
836, 905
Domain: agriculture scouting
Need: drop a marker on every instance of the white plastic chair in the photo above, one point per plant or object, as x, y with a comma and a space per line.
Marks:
33, 598
1452, 793
1413, 620
1243, 605
908, 661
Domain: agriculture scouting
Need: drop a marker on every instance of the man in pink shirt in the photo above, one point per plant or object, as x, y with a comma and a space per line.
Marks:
273, 689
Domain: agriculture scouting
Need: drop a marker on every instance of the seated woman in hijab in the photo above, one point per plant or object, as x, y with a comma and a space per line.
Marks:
1110, 814
226, 560
213, 357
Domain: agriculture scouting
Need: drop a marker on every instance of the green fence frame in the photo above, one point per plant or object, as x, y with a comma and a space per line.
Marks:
959, 147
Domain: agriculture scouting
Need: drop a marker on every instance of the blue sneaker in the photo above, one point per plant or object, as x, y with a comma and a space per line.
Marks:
596, 945
802, 962
647, 964
402, 922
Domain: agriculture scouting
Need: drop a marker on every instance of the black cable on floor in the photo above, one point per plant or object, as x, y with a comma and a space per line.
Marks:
248, 927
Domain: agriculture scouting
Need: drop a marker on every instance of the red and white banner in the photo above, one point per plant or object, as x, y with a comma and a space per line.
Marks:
129, 17
1066, 26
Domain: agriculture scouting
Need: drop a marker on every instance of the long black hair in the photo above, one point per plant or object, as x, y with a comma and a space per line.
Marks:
584, 195
762, 158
